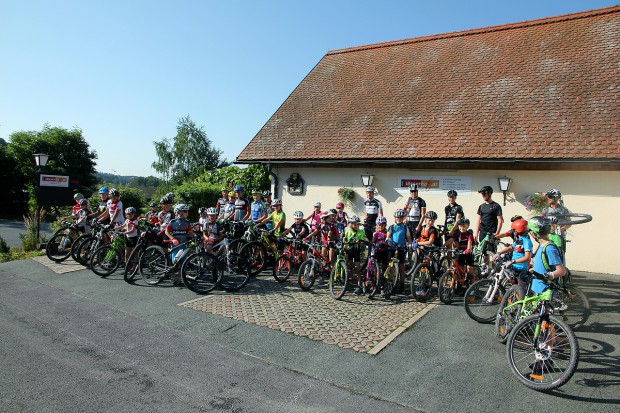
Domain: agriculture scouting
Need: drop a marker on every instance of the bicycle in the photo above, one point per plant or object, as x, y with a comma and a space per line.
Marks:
483, 259
258, 253
432, 265
454, 278
339, 275
58, 248
386, 282
315, 265
108, 257
156, 263
87, 246
484, 296
542, 350
148, 236
289, 261
95, 227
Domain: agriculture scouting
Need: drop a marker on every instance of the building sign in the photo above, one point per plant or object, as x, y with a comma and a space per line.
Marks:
435, 184
55, 181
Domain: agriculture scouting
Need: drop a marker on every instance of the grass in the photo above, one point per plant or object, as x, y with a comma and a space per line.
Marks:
19, 254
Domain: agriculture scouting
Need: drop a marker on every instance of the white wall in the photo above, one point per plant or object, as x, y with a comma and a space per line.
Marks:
591, 248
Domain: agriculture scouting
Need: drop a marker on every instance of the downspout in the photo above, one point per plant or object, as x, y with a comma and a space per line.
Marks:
274, 181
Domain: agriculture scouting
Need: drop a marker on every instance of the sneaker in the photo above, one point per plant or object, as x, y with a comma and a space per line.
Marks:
358, 290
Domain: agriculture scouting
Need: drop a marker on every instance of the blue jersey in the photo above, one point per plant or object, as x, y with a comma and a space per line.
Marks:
553, 259
258, 208
521, 245
398, 234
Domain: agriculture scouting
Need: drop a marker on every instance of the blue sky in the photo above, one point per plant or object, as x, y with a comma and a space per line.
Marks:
125, 71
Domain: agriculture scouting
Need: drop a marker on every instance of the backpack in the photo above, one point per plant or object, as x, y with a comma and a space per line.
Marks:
437, 241
545, 257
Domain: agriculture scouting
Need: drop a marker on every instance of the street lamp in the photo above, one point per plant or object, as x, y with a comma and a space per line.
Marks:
367, 179
504, 185
40, 159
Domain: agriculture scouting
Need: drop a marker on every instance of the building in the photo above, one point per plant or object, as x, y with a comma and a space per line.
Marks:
535, 101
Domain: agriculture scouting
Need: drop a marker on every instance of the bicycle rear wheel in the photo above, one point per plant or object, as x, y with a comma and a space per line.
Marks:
421, 282
307, 274
76, 245
447, 285
282, 269
58, 248
373, 277
338, 280
201, 272
480, 302
507, 318
105, 260
389, 280
132, 265
235, 272
86, 249
572, 306
153, 265
255, 254
545, 362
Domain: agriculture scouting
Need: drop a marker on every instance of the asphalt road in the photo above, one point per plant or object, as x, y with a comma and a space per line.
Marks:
10, 230
76, 342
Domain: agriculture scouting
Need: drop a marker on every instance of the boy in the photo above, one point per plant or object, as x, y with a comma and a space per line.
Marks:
453, 212
114, 209
130, 229
278, 218
258, 208
202, 214
428, 234
399, 235
547, 260
81, 216
178, 231
521, 251
328, 234
464, 240
352, 238
212, 231
299, 229
152, 215
165, 215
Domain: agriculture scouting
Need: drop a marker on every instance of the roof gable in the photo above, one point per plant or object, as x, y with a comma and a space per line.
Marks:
545, 89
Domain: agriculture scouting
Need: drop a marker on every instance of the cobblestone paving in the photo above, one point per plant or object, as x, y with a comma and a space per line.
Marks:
59, 267
355, 322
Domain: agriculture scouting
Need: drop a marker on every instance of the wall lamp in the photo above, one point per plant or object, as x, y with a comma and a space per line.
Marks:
40, 159
504, 185
367, 179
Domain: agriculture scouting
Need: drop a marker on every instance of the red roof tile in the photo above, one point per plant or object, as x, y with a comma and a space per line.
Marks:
542, 89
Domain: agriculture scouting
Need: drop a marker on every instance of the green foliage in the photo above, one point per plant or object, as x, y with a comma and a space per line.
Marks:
129, 196
4, 248
11, 193
346, 195
197, 194
188, 155
252, 177
18, 254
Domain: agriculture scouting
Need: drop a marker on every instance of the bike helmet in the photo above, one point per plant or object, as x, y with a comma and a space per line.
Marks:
381, 220
153, 204
333, 211
452, 193
400, 213
256, 192
170, 194
354, 218
516, 217
130, 210
539, 225
554, 193
202, 210
553, 219
298, 214
370, 189
267, 193
238, 188
413, 187
316, 204
520, 225
276, 201
83, 201
104, 190
180, 207
114, 192
462, 221
165, 201
78, 195
211, 211
431, 215
340, 205
486, 190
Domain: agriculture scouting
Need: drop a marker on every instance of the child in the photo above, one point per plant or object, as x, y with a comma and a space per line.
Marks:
212, 231
315, 216
202, 220
328, 233
379, 239
399, 235
81, 216
342, 218
258, 208
299, 229
178, 231
428, 234
76, 208
130, 229
352, 238
554, 236
547, 260
521, 251
165, 215
152, 215
464, 240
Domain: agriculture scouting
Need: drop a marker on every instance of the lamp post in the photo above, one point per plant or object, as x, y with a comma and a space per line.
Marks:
40, 159
367, 179
504, 185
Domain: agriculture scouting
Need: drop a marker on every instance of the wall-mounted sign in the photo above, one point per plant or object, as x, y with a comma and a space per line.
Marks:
56, 181
294, 184
435, 184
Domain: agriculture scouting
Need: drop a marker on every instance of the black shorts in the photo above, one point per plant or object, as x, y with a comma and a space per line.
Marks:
354, 254
413, 227
131, 242
466, 259
400, 254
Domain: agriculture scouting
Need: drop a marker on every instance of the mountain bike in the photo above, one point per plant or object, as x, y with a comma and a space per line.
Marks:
432, 266
261, 252
95, 227
542, 350
386, 282
156, 263
58, 248
314, 266
290, 260
339, 275
483, 259
87, 246
148, 236
108, 257
483, 297
454, 278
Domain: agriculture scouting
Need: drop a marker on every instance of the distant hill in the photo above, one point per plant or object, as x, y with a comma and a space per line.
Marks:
147, 185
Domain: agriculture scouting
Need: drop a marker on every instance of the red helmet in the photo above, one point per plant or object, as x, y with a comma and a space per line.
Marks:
339, 205
520, 225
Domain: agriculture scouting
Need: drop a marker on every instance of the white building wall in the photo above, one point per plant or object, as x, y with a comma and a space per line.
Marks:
591, 246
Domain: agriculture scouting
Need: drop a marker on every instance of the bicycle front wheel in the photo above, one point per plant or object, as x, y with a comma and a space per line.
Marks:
481, 303
373, 277
201, 272
105, 260
58, 248
76, 245
307, 274
255, 254
545, 362
421, 282
338, 280
282, 269
447, 285
572, 306
153, 265
507, 318
235, 272
85, 250
132, 264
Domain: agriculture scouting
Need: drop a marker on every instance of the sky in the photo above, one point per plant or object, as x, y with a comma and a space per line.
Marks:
124, 72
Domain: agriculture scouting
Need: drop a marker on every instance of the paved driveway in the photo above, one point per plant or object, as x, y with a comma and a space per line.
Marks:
10, 230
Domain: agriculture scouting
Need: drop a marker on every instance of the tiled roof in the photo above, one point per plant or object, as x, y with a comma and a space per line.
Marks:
542, 89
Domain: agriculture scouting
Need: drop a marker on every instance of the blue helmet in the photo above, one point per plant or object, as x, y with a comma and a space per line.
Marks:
238, 188
104, 190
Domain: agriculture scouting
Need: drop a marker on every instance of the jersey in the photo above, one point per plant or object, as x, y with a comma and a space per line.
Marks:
415, 206
131, 228
372, 206
180, 229
221, 204
276, 217
397, 233
112, 208
451, 212
379, 238
315, 220
521, 245
165, 217
228, 208
429, 234
152, 217
242, 206
351, 235
488, 216
258, 208
213, 231
342, 219
299, 230
552, 257
463, 238
328, 231
558, 211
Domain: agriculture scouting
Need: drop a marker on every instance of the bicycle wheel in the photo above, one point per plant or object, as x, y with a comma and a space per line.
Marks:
86, 249
132, 265
572, 306
255, 254
76, 245
545, 362
235, 245
282, 269
338, 280
389, 280
153, 265
105, 260
307, 274
421, 282
480, 302
373, 276
444, 265
58, 248
447, 285
201, 272
235, 272
411, 262
506, 319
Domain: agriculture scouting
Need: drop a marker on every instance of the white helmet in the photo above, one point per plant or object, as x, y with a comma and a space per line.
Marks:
211, 211
180, 207
370, 189
316, 204
298, 214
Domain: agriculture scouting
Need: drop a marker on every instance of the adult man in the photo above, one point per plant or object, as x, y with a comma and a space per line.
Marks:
453, 212
258, 208
490, 217
416, 209
555, 207
373, 209
220, 206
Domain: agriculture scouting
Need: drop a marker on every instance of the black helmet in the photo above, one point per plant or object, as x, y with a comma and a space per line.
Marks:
486, 190
153, 204
431, 215
452, 193
165, 201
515, 218
554, 193
462, 221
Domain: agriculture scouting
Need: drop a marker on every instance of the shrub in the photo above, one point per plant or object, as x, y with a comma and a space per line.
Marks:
4, 248
197, 194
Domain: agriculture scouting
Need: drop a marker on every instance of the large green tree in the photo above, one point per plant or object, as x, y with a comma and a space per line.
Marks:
188, 155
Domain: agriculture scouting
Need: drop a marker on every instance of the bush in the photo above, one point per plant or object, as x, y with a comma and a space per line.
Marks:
4, 248
196, 195
131, 197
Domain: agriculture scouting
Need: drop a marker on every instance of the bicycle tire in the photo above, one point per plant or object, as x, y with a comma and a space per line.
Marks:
153, 265
578, 306
235, 245
235, 272
86, 249
373, 274
421, 282
307, 274
58, 248
338, 280
132, 265
201, 272
479, 309
104, 260
443, 266
389, 280
562, 219
555, 360
282, 268
255, 254
411, 262
447, 284
76, 245
506, 320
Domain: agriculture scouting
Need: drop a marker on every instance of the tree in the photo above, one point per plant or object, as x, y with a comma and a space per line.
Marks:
188, 155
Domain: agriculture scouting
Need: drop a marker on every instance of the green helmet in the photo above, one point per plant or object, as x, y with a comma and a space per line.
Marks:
539, 225
78, 195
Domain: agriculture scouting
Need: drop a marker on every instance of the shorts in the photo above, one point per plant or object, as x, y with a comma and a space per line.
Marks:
400, 254
413, 225
354, 254
466, 259
131, 242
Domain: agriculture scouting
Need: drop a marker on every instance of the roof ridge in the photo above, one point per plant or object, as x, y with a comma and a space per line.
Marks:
489, 29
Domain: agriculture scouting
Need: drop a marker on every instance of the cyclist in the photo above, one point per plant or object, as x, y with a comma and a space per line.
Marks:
379, 239
555, 206
212, 231
229, 208
221, 203
178, 231
130, 229
299, 229
242, 206
328, 233
547, 259
511, 232
152, 214
373, 209
165, 215
490, 217
315, 216
399, 236
114, 209
170, 196
352, 237
454, 212
342, 218
521, 250
429, 235
464, 240
267, 198
258, 208
553, 236
77, 197
103, 196
203, 216
416, 209
81, 217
